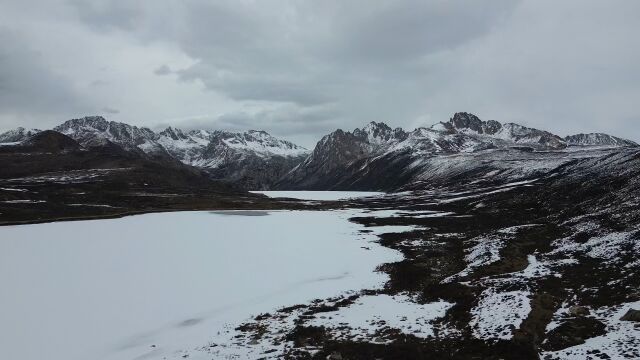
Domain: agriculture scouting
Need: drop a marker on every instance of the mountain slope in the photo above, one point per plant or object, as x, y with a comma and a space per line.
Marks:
597, 139
51, 176
464, 148
17, 135
375, 157
253, 159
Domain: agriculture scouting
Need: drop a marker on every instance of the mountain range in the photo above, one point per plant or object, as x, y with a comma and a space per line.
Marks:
375, 157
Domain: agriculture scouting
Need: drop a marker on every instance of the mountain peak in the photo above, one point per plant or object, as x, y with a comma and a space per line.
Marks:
173, 133
96, 123
465, 122
372, 126
17, 135
597, 139
261, 132
377, 133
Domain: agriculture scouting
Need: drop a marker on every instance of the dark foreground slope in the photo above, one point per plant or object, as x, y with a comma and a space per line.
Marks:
540, 269
51, 176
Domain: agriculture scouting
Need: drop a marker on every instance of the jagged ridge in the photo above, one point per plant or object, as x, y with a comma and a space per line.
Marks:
377, 157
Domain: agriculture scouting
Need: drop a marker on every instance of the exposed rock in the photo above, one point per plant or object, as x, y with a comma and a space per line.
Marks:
597, 139
579, 310
631, 315
573, 332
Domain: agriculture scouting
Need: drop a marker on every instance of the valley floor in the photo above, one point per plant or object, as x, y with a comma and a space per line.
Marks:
502, 272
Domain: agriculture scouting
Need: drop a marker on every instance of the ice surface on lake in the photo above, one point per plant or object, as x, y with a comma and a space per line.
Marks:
151, 285
318, 195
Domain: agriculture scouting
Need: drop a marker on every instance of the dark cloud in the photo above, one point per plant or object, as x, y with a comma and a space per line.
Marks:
301, 68
408, 30
106, 15
109, 110
28, 86
283, 121
163, 70
249, 85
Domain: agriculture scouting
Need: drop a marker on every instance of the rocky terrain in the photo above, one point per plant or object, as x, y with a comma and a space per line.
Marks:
545, 268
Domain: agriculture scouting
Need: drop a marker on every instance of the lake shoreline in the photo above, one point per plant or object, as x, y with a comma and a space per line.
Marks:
35, 212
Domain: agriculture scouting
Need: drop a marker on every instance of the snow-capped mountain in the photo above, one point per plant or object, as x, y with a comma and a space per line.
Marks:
17, 135
253, 159
85, 130
373, 157
377, 157
597, 139
199, 147
500, 135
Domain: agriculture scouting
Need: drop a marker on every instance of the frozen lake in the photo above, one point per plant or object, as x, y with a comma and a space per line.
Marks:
149, 285
318, 195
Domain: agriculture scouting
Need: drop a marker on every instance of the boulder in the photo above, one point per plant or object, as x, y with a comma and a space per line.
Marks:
631, 315
579, 310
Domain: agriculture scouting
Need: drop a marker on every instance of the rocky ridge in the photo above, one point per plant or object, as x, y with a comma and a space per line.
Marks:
253, 159
379, 158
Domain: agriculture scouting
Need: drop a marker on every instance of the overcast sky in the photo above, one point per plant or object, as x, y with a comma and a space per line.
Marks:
302, 68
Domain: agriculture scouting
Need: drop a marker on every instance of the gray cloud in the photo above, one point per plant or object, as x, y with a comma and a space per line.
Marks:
301, 68
29, 88
263, 52
282, 121
163, 70
409, 30
109, 110
106, 15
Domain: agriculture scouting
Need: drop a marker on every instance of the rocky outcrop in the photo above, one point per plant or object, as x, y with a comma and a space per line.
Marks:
597, 139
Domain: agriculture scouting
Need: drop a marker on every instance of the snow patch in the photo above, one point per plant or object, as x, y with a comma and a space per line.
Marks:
498, 314
370, 315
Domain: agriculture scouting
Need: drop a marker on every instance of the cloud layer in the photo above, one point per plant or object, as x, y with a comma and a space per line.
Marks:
302, 68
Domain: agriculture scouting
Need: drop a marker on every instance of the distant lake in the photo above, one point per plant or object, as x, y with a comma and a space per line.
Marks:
319, 195
148, 285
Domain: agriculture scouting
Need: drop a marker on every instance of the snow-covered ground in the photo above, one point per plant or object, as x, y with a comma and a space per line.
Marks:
318, 195
498, 314
155, 284
364, 319
621, 341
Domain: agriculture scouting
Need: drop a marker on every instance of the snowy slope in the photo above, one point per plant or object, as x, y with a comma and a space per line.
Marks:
17, 135
87, 129
253, 159
597, 139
